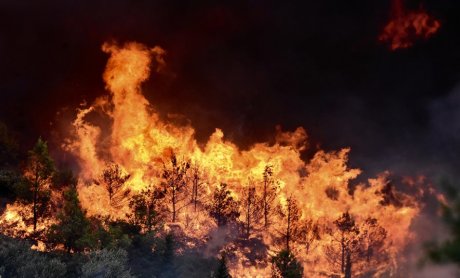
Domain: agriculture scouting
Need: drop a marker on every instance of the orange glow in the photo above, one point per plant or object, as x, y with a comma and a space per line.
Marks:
141, 144
405, 27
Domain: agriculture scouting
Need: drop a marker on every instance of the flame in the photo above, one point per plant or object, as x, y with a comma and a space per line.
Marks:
406, 27
124, 129
16, 221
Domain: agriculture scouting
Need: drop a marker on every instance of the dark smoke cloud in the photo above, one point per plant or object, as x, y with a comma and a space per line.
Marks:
246, 66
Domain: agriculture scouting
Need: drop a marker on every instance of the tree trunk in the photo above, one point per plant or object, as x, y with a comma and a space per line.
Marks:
288, 231
35, 200
248, 219
342, 265
174, 205
265, 204
348, 266
195, 192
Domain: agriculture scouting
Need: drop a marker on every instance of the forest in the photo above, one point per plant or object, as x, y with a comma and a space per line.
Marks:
143, 198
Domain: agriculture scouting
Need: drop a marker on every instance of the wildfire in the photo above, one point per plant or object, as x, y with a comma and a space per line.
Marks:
405, 27
325, 207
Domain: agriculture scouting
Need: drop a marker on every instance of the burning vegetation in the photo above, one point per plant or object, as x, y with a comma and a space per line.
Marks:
262, 211
406, 27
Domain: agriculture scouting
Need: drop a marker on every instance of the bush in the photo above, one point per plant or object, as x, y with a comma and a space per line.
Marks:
18, 260
108, 264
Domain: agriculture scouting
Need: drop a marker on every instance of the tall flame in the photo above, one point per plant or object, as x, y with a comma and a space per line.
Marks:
140, 142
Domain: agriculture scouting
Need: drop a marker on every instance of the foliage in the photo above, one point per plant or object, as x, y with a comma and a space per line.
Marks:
252, 211
13, 185
113, 179
291, 214
18, 260
108, 264
38, 172
197, 185
64, 178
109, 234
222, 269
73, 228
9, 149
353, 243
285, 265
269, 192
223, 208
144, 207
448, 251
175, 182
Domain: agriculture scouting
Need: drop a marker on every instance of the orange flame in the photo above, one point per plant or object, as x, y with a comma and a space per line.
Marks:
406, 27
141, 143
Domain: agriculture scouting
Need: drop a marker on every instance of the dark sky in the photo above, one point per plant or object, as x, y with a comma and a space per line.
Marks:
246, 66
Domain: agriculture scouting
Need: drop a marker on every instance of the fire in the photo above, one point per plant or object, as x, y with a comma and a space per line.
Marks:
406, 27
141, 142
311, 206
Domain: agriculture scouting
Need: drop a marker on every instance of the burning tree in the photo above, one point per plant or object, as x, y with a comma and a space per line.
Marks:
372, 243
73, 227
197, 185
291, 214
223, 208
285, 265
139, 138
175, 181
348, 242
39, 172
309, 233
251, 209
144, 206
355, 244
270, 191
114, 178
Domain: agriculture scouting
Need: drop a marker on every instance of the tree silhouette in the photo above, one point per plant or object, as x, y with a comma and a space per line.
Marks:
73, 227
197, 185
251, 209
448, 251
285, 265
144, 207
291, 214
175, 181
223, 208
38, 172
222, 269
113, 179
309, 233
353, 244
268, 194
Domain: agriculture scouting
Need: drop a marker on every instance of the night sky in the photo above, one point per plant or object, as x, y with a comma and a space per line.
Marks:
247, 66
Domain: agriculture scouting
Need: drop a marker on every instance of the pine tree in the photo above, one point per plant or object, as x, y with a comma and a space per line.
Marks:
291, 214
73, 227
223, 208
251, 210
174, 183
144, 208
222, 269
356, 244
285, 265
38, 172
269, 192
113, 179
197, 184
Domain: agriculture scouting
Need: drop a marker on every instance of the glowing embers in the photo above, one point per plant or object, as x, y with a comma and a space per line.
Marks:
406, 27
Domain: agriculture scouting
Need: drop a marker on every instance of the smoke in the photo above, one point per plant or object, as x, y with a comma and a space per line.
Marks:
445, 124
